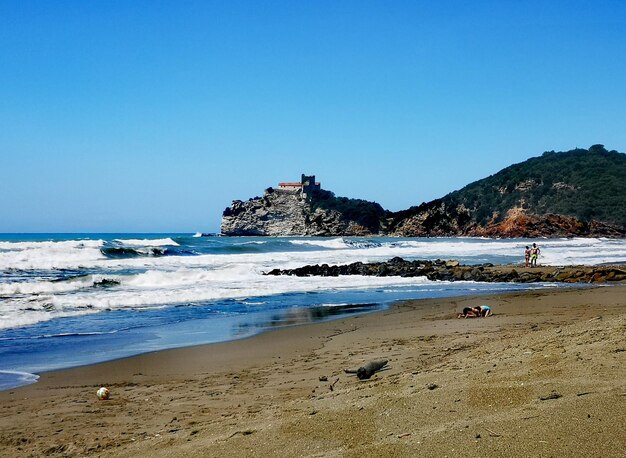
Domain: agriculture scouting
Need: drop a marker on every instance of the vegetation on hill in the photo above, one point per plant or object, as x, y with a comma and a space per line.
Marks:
367, 214
585, 184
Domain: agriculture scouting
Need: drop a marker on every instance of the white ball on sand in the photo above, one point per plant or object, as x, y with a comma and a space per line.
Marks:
103, 393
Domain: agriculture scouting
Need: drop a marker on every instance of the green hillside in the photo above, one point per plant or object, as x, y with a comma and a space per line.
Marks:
586, 184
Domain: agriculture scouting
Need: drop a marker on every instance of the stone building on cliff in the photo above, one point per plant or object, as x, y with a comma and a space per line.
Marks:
286, 211
306, 185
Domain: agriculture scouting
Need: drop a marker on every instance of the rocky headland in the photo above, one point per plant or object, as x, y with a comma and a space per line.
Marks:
283, 212
452, 270
578, 193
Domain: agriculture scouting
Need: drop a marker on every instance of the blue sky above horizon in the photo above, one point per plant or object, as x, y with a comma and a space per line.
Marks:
152, 116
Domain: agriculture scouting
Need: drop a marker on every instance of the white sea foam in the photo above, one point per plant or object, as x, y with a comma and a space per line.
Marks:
335, 244
51, 287
26, 376
334, 305
149, 282
86, 254
54, 245
49, 255
11, 379
182, 286
22, 315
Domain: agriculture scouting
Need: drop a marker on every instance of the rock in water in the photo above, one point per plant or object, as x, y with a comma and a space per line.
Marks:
276, 213
285, 212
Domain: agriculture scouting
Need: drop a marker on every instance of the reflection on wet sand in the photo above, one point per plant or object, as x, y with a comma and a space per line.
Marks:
301, 315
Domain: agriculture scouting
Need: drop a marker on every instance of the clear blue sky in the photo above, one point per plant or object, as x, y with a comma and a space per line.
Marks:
154, 115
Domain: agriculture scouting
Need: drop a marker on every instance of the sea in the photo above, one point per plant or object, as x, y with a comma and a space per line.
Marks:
73, 299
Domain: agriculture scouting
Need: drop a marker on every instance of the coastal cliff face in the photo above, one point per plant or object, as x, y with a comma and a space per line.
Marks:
284, 213
450, 220
579, 193
280, 213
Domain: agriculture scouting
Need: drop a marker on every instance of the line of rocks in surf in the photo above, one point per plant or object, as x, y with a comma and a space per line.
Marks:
454, 271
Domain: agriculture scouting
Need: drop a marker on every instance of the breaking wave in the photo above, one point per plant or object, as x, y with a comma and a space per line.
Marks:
147, 242
122, 252
41, 281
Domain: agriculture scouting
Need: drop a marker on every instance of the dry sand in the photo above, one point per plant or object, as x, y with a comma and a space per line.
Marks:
455, 387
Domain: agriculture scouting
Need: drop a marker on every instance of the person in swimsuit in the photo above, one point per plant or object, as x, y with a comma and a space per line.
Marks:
476, 312
483, 311
534, 254
527, 256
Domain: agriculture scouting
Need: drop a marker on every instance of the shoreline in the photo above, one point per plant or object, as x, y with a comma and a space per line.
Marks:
299, 317
154, 354
450, 382
35, 376
203, 331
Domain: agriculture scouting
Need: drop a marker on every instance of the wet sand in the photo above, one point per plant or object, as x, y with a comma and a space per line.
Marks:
544, 376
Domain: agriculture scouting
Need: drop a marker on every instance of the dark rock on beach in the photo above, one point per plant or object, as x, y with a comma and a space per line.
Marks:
452, 270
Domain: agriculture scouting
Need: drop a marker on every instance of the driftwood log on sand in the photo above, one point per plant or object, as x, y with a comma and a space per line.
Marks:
365, 372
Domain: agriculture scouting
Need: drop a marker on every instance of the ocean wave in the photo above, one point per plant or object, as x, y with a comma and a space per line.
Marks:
288, 252
22, 316
145, 281
362, 243
147, 242
122, 252
61, 245
61, 335
334, 244
11, 379
341, 304
154, 289
64, 285
49, 255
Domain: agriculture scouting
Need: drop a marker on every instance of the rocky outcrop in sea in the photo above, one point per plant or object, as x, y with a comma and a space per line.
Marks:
454, 271
283, 213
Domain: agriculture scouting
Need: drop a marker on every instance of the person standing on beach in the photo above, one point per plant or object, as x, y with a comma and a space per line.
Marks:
526, 256
534, 254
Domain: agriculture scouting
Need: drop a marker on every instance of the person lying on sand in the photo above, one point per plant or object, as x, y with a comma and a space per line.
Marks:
468, 312
475, 312
482, 311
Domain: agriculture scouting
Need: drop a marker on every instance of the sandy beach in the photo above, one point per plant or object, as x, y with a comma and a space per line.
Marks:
544, 376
